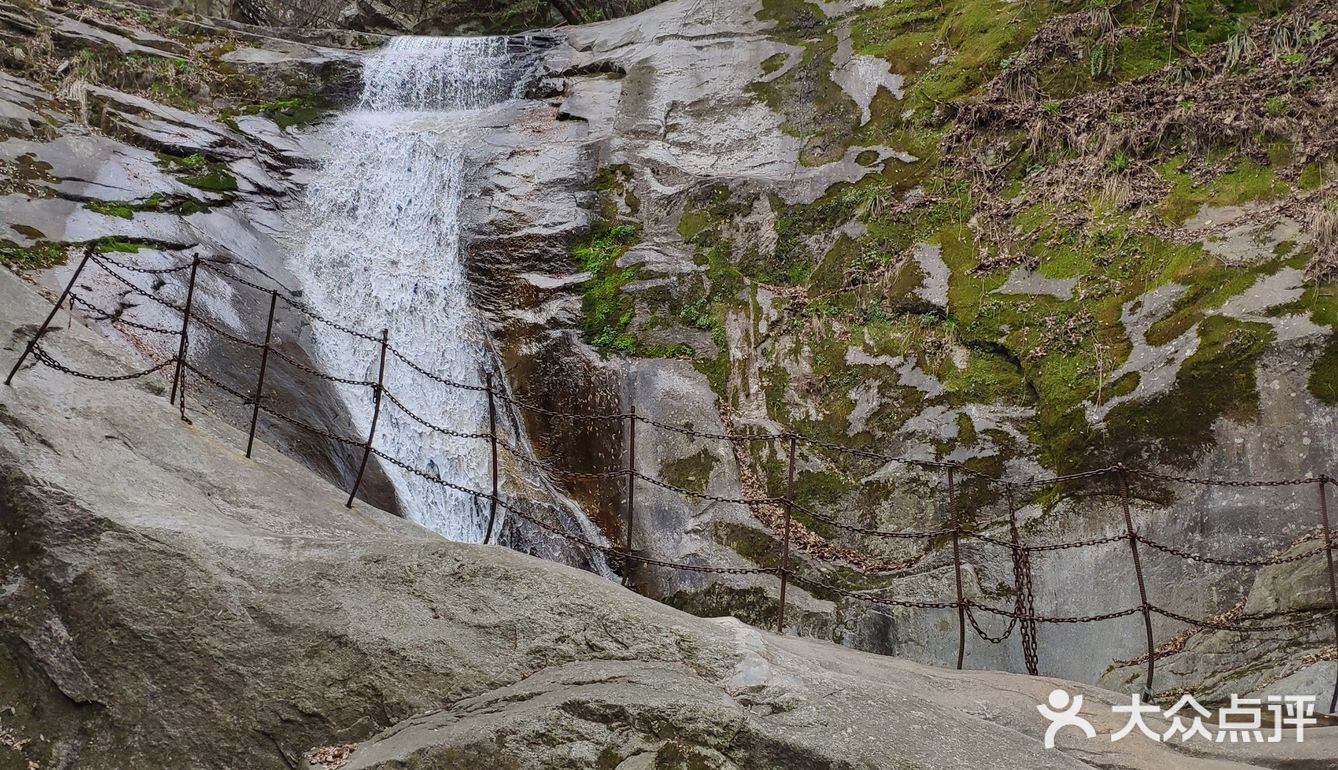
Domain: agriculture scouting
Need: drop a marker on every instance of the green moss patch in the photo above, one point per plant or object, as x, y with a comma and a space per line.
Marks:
295, 111
200, 172
1323, 382
1217, 381
607, 310
39, 256
119, 209
692, 472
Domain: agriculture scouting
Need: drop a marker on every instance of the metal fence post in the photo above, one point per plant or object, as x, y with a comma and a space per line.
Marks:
69, 287
630, 517
1145, 607
492, 440
178, 379
792, 441
1324, 481
264, 363
957, 567
376, 417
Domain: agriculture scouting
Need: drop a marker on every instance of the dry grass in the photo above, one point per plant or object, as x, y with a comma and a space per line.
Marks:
331, 757
1236, 97
1323, 265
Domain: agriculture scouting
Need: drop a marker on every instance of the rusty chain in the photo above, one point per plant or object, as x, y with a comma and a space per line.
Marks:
1217, 625
922, 604
308, 427
430, 426
535, 462
744, 438
244, 398
436, 377
102, 255
529, 407
225, 334
705, 495
1201, 482
136, 289
113, 318
881, 533
975, 624
1230, 562
1031, 617
296, 364
47, 359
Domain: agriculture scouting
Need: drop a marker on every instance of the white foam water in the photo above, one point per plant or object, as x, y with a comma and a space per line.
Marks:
384, 251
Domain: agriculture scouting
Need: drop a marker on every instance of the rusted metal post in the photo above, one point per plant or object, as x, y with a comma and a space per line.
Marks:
492, 440
792, 441
264, 363
957, 567
178, 379
376, 416
1145, 607
69, 287
629, 519
1324, 481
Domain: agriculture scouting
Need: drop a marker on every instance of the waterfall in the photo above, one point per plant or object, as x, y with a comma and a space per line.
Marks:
384, 251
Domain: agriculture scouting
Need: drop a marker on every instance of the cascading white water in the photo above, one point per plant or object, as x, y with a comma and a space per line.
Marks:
384, 252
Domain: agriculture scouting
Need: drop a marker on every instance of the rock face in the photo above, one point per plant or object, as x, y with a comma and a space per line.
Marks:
731, 215
802, 236
168, 603
109, 149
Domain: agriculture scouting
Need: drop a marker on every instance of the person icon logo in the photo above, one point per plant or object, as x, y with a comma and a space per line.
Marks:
1063, 712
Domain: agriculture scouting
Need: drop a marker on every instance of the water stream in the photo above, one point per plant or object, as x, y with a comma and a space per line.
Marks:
384, 251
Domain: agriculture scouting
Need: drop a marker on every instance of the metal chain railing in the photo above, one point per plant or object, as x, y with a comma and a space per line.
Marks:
1022, 616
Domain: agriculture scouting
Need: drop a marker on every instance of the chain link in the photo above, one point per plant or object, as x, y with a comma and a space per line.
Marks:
1224, 482
42, 356
922, 604
535, 462
975, 624
245, 398
296, 364
102, 255
719, 436
435, 377
529, 407
136, 289
1230, 562
113, 318
928, 535
430, 426
227, 335
705, 496
1236, 627
312, 428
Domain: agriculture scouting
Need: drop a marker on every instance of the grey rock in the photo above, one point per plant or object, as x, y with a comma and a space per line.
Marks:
171, 604
1022, 281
